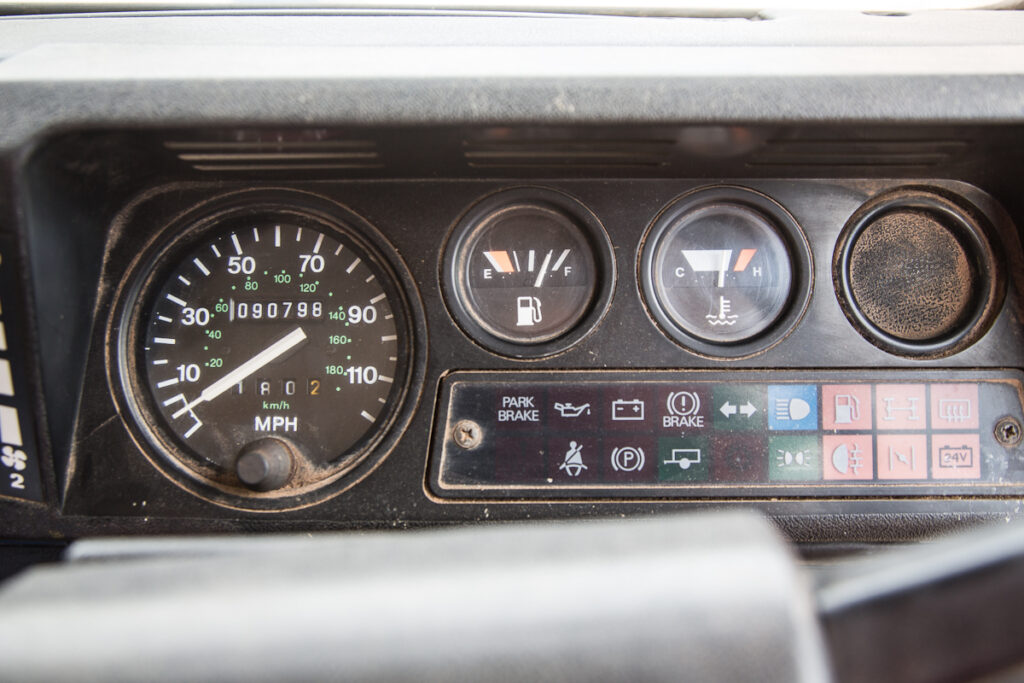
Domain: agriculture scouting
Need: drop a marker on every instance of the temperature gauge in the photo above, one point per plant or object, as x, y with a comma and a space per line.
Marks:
524, 269
718, 269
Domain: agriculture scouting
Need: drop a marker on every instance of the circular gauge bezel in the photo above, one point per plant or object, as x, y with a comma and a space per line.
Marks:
785, 227
463, 236
148, 273
968, 227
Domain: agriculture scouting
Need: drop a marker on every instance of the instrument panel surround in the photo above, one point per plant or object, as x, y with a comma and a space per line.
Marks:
415, 210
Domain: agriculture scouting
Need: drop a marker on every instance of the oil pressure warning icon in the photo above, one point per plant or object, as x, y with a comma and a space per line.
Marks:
719, 273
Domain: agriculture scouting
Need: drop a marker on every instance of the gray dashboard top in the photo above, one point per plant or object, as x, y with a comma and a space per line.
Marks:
62, 71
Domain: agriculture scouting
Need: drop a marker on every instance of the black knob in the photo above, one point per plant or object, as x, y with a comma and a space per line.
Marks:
264, 464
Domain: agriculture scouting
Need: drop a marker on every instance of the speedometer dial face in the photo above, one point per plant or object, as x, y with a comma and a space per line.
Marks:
271, 349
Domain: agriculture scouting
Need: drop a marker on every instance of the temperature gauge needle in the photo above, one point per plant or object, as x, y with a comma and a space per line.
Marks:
264, 357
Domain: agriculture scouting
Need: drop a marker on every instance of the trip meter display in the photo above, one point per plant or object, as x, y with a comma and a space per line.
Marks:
270, 352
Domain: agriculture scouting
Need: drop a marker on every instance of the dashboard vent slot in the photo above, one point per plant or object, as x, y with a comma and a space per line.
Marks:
263, 156
847, 153
560, 153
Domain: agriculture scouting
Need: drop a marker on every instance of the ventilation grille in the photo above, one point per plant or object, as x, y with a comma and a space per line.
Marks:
847, 153
328, 155
562, 153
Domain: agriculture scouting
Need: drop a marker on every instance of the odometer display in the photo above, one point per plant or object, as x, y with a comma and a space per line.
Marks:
272, 349
275, 310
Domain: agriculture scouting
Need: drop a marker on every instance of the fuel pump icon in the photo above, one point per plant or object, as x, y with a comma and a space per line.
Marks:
527, 311
847, 409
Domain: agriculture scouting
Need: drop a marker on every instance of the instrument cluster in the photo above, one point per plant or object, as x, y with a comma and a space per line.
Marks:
267, 344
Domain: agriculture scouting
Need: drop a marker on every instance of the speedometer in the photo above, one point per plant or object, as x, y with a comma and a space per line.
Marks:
267, 350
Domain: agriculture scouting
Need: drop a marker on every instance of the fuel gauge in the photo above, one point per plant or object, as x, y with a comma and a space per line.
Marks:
719, 269
526, 268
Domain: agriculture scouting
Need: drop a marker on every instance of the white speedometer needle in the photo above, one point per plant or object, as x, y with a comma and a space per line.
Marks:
267, 355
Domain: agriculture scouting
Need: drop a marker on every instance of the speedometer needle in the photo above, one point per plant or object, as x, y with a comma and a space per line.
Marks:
267, 355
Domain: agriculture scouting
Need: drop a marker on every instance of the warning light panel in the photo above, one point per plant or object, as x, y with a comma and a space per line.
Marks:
747, 434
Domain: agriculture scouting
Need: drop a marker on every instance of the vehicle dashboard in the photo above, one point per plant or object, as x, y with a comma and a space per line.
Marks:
402, 139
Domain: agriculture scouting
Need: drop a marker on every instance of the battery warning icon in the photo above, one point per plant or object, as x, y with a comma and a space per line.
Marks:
628, 410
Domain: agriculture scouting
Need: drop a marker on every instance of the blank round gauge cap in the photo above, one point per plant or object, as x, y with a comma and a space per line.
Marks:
917, 272
911, 277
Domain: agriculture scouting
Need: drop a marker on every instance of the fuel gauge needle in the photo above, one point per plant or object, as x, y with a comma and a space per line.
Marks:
543, 269
264, 357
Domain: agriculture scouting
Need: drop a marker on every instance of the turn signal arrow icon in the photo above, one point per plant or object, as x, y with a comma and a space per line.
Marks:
747, 409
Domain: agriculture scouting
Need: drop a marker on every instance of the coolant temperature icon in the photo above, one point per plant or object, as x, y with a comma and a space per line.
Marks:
724, 315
